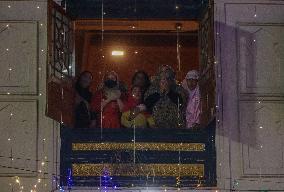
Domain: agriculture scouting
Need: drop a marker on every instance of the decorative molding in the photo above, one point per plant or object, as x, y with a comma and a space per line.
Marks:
172, 170
19, 137
19, 58
139, 146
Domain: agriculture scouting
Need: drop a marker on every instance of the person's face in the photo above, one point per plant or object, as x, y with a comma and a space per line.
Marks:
111, 77
192, 83
86, 80
136, 93
139, 80
164, 84
164, 68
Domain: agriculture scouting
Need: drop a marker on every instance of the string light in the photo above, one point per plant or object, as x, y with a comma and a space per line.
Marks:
9, 6
38, 7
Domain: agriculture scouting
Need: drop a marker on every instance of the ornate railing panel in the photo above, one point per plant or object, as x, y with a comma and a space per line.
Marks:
169, 157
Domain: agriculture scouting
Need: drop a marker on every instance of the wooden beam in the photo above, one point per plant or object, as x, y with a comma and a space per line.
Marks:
137, 25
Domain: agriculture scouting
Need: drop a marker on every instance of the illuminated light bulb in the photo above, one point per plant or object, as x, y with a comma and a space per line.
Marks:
217, 33
260, 127
10, 69
219, 75
104, 13
177, 7
39, 180
8, 93
70, 67
254, 40
261, 146
37, 7
42, 163
215, 62
40, 94
103, 56
34, 186
41, 24
12, 159
42, 50
9, 6
44, 139
255, 15
165, 190
39, 171
45, 184
17, 181
117, 53
133, 27
39, 68
11, 114
9, 139
136, 52
7, 25
45, 157
7, 49
259, 102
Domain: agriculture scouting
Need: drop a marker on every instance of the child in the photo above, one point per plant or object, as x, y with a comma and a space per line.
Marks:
143, 119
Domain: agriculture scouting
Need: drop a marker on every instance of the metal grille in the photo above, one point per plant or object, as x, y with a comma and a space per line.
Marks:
61, 43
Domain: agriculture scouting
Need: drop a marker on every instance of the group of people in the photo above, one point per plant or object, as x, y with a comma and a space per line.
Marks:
156, 102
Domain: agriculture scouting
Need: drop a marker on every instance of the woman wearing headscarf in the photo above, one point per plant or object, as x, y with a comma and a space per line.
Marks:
84, 118
165, 103
193, 108
107, 102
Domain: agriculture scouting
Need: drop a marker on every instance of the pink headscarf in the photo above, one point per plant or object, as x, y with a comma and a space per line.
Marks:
193, 109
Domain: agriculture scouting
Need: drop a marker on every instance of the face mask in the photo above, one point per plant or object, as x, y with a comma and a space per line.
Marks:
110, 83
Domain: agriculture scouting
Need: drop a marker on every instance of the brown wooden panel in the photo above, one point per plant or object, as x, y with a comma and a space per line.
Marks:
207, 67
125, 25
60, 102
